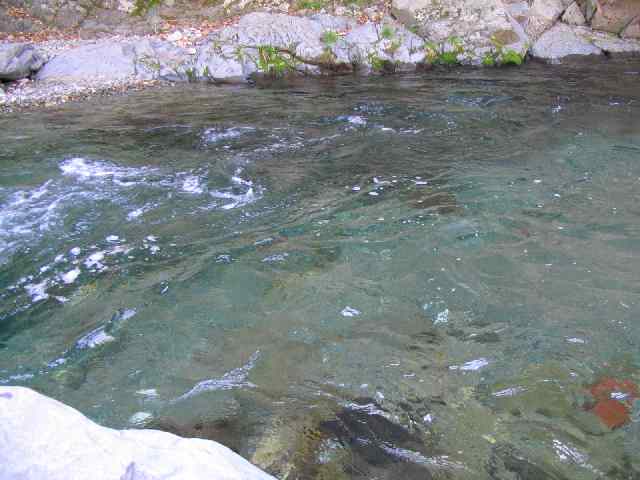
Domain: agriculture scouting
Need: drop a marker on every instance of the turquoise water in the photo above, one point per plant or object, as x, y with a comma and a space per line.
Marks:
394, 277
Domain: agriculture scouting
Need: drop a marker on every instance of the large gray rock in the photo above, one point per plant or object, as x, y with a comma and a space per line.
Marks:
563, 41
19, 60
477, 25
588, 8
106, 60
632, 30
614, 15
542, 16
263, 42
41, 438
115, 60
573, 15
160, 60
610, 43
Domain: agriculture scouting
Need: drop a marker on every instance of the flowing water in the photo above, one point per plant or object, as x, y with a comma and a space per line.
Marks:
395, 277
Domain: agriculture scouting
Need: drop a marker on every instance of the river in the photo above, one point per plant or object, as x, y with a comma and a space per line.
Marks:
407, 276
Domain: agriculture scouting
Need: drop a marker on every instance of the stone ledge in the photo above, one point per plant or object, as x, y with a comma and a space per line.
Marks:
45, 439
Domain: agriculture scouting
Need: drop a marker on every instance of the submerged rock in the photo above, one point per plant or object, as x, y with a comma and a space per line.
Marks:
614, 400
43, 438
19, 60
375, 441
505, 457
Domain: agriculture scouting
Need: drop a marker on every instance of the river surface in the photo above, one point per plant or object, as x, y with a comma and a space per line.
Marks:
400, 277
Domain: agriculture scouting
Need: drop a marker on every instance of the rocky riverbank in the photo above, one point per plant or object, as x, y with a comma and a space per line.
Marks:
32, 425
402, 36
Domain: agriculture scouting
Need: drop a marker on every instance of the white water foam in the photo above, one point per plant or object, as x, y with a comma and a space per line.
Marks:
94, 338
349, 312
37, 291
70, 276
87, 170
236, 378
26, 214
192, 184
133, 214
216, 134
95, 260
237, 197
472, 365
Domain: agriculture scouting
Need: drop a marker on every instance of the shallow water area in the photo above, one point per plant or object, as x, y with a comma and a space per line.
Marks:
424, 276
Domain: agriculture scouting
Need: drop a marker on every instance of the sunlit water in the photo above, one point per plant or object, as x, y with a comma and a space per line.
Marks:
397, 277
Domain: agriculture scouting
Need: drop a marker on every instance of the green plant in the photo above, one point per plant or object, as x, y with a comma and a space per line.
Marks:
375, 61
150, 62
216, 46
141, 7
272, 61
488, 60
393, 47
327, 57
387, 32
501, 56
448, 58
431, 51
445, 53
311, 4
239, 54
191, 74
511, 57
329, 38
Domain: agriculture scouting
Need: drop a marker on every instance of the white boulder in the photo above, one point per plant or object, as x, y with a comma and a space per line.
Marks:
41, 438
563, 41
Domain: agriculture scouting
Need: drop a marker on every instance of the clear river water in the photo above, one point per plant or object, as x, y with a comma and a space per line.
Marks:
400, 277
